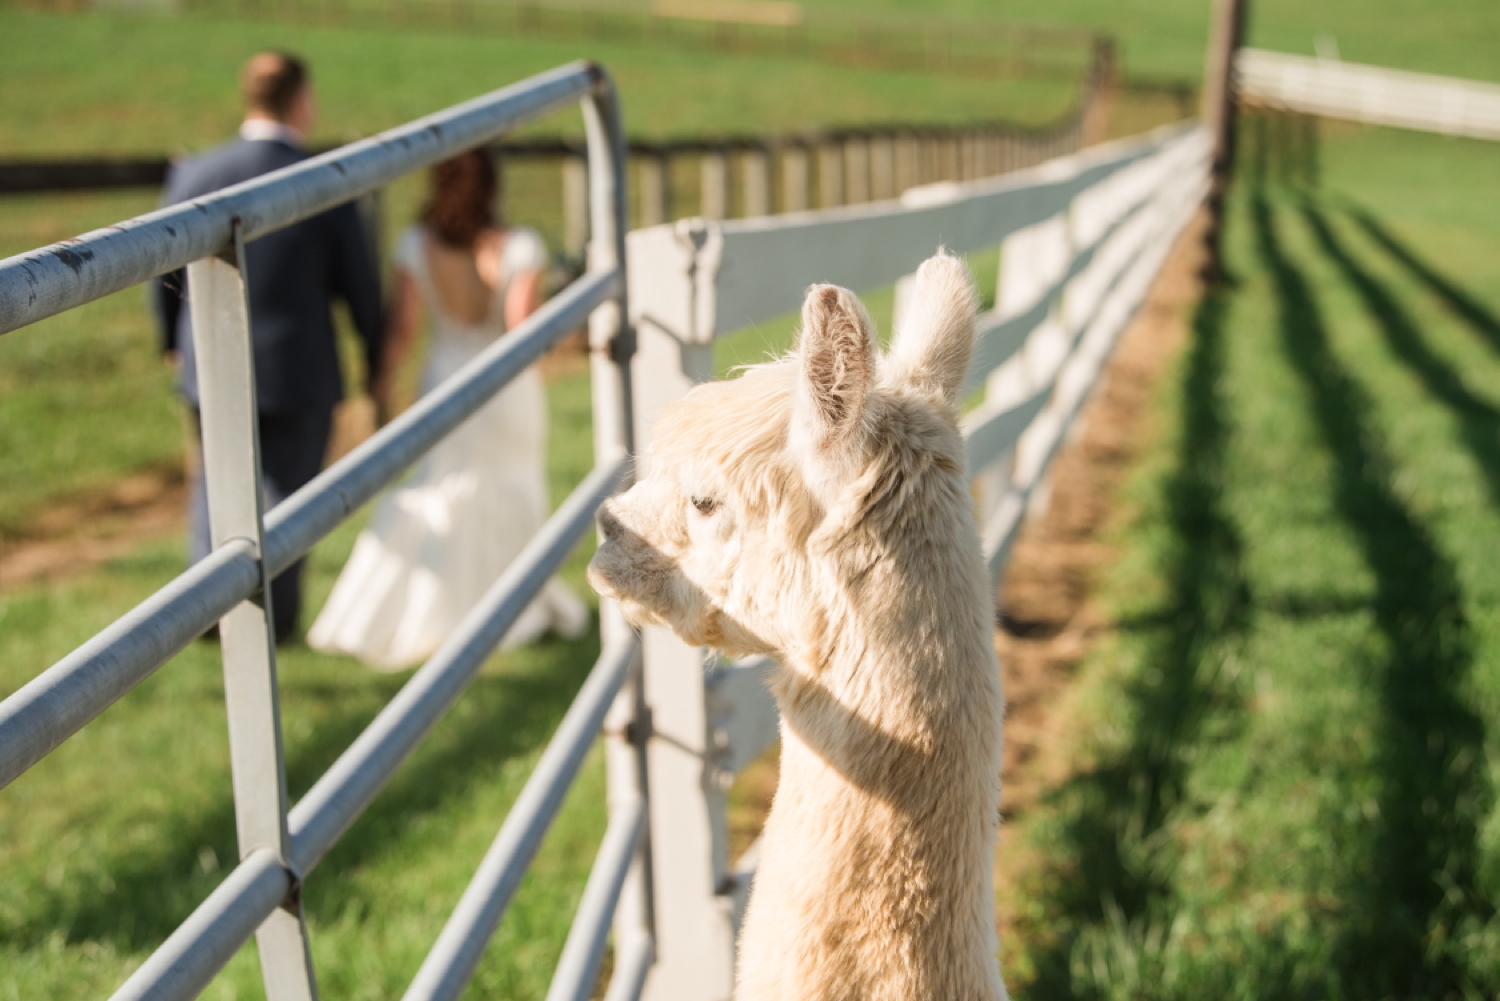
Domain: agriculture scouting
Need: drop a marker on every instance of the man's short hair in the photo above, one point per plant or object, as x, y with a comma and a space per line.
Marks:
271, 81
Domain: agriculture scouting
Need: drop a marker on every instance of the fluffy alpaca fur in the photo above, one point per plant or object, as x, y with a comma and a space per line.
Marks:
816, 509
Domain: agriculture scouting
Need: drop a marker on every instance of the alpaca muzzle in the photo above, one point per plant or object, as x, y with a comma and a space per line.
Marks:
625, 565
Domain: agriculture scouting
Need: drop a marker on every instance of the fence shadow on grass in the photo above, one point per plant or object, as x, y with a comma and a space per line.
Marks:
1281, 145
1409, 909
1479, 419
1412, 897
510, 716
149, 891
1102, 912
1460, 302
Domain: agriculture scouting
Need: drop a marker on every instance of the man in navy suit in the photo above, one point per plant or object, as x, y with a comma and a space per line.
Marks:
293, 276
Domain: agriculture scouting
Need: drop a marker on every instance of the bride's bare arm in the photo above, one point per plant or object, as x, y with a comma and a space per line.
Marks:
523, 297
401, 330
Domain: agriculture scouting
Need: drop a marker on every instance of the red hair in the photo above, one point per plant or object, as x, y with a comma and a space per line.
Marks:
462, 202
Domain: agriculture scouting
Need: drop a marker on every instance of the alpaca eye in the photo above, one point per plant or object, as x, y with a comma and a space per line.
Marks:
705, 505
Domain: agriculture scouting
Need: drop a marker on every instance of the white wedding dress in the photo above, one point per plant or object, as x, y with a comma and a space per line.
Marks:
438, 542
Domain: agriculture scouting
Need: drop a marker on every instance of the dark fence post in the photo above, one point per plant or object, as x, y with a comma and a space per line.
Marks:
653, 175
830, 174
1218, 114
755, 174
575, 199
1099, 94
795, 167
713, 200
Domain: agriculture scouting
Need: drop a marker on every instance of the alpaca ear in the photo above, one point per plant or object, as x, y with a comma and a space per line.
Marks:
936, 336
837, 350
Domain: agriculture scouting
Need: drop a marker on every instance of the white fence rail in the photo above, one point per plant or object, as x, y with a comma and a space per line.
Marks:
1372, 94
1082, 239
278, 847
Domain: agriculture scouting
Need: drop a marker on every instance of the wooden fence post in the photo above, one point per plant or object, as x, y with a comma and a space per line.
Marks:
830, 175
714, 203
1099, 93
693, 913
882, 168
652, 175
968, 157
856, 171
755, 165
948, 167
1217, 112
794, 170
575, 191
907, 168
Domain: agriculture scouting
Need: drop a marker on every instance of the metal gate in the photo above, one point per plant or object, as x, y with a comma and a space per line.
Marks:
279, 847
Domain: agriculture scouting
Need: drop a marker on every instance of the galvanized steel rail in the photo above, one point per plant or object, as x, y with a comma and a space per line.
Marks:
453, 958
43, 282
337, 798
55, 704
261, 896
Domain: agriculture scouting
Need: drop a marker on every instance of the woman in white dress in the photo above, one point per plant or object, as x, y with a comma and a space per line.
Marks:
437, 543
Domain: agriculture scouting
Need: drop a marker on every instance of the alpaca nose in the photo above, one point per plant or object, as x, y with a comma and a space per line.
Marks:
608, 523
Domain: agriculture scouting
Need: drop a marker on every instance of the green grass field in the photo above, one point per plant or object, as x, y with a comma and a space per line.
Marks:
1287, 746
82, 84
1168, 37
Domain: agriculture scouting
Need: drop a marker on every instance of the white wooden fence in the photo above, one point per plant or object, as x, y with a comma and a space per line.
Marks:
1335, 89
1082, 238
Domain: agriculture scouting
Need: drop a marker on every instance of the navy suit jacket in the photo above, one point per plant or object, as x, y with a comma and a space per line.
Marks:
293, 276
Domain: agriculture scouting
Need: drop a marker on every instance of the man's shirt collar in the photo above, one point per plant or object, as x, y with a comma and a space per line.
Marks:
264, 129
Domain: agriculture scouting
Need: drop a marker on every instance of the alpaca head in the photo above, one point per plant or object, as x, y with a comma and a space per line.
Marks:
767, 496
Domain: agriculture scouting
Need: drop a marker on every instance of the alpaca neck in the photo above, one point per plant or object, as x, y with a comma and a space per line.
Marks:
896, 723
875, 879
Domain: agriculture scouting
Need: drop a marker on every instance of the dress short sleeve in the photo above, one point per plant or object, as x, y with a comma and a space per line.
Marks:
524, 251
410, 252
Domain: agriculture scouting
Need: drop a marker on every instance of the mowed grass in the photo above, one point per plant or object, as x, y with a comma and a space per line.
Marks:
82, 84
1286, 751
1168, 38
